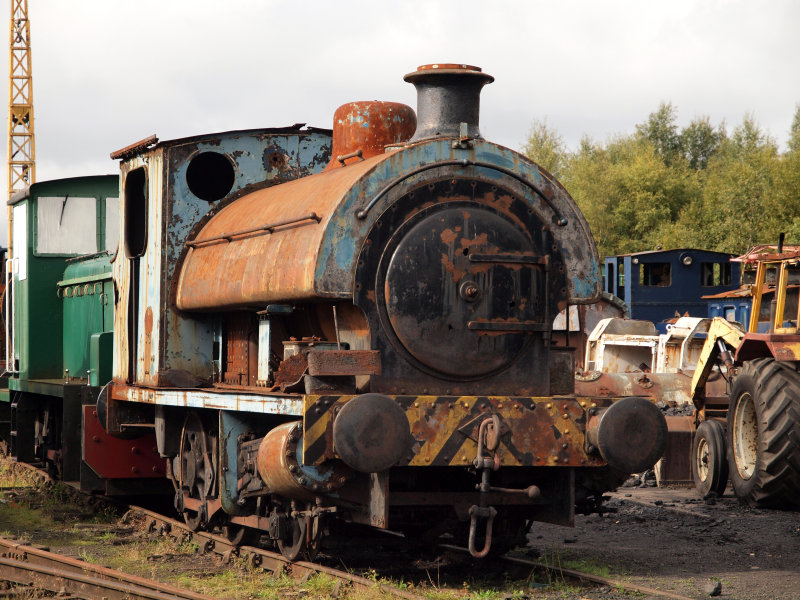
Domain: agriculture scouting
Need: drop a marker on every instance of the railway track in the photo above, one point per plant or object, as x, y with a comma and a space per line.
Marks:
42, 570
39, 568
275, 562
589, 577
259, 557
27, 565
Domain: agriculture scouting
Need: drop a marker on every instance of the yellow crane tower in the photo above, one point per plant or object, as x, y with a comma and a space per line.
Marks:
21, 146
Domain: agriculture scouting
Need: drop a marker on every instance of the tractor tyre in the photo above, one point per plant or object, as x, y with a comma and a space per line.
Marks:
764, 434
709, 459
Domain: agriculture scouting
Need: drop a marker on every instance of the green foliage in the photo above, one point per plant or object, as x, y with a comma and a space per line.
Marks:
668, 187
662, 132
700, 140
546, 148
626, 191
794, 132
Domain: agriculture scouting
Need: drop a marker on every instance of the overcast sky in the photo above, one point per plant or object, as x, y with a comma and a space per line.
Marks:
108, 73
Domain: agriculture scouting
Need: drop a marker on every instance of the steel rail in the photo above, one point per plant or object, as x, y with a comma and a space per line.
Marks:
44, 570
579, 575
271, 561
277, 563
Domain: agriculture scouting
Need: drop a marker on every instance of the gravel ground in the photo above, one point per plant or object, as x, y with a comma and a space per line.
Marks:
668, 539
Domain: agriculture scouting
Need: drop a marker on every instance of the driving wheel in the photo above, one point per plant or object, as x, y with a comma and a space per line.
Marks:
197, 467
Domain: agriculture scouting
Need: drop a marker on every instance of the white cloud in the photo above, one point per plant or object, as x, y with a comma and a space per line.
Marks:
109, 73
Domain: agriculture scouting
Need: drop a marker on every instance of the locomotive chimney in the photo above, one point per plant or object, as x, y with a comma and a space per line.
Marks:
447, 95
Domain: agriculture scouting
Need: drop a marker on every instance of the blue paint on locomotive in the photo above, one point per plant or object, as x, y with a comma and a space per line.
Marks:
345, 233
260, 158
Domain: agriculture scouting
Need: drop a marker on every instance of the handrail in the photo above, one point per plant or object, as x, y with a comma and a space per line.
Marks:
262, 228
10, 313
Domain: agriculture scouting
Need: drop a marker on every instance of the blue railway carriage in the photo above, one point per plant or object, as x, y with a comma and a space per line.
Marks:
656, 285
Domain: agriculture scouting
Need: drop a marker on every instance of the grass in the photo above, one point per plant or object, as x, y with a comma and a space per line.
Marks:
11, 477
51, 515
590, 565
245, 581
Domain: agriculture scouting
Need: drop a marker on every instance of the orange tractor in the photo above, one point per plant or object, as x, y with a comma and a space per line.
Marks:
752, 435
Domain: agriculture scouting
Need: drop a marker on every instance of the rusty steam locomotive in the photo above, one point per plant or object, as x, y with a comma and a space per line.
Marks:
366, 338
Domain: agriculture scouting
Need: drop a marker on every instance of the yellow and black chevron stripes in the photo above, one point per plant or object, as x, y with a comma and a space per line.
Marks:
544, 431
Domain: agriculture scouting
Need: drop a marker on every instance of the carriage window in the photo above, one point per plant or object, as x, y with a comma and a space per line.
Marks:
713, 274
66, 225
112, 224
135, 212
658, 274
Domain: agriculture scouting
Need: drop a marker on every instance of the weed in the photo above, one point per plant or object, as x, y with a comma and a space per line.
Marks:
243, 581
585, 564
187, 546
320, 585
106, 513
108, 536
86, 557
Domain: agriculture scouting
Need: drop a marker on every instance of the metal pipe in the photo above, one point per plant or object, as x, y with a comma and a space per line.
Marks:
11, 366
8, 313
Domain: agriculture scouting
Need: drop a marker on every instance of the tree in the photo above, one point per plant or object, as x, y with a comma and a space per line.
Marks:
546, 148
794, 132
738, 207
627, 192
700, 140
696, 187
662, 131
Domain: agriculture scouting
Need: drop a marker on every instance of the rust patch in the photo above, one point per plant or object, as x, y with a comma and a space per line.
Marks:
290, 372
148, 340
344, 362
449, 235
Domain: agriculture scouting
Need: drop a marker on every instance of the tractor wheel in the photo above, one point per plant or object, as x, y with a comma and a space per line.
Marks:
709, 460
764, 434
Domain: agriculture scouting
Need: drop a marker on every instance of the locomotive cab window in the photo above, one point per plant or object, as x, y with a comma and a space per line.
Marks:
210, 176
112, 224
713, 274
66, 225
656, 274
135, 212
609, 278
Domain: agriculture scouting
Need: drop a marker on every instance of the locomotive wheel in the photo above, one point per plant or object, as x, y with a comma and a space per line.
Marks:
764, 434
239, 535
709, 460
295, 542
196, 469
300, 541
